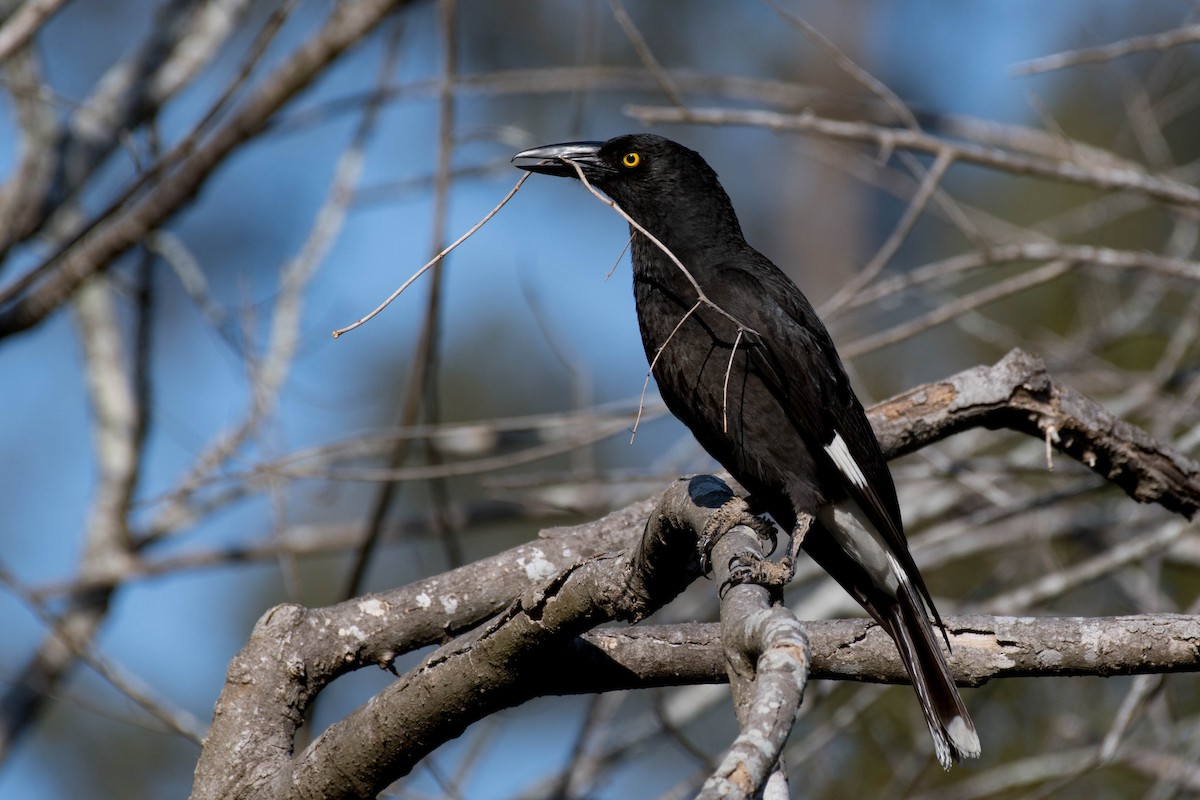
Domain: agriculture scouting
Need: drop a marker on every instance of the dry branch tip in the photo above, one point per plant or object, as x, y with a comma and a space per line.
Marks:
433, 261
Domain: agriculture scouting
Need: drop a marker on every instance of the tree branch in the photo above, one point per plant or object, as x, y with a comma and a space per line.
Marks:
1017, 393
111, 237
1186, 34
984, 648
767, 662
1098, 175
569, 581
507, 661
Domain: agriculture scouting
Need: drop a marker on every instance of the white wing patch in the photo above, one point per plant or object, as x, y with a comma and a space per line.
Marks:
840, 454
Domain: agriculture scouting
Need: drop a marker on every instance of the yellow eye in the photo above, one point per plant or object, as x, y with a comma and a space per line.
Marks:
631, 159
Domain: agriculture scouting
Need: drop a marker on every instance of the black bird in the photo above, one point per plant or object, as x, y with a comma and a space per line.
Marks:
743, 360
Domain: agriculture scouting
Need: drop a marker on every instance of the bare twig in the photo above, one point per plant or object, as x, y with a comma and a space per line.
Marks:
927, 189
422, 373
1108, 52
850, 67
67, 633
1092, 569
645, 53
988, 294
475, 466
1029, 251
620, 255
1098, 176
433, 261
725, 383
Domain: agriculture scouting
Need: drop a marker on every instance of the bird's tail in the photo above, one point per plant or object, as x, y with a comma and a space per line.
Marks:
954, 735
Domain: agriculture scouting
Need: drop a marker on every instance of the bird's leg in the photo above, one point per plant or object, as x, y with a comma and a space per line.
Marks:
738, 511
787, 564
762, 526
769, 574
724, 519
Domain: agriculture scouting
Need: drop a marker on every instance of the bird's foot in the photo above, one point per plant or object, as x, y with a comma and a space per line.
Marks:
733, 512
746, 568
773, 575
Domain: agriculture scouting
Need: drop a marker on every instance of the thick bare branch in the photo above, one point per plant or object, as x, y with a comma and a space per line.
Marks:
296, 652
984, 648
510, 659
767, 661
1017, 393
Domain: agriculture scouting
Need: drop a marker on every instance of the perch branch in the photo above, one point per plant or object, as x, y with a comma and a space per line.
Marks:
295, 652
767, 662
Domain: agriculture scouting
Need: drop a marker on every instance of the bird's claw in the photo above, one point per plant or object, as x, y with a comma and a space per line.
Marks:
733, 512
747, 568
741, 570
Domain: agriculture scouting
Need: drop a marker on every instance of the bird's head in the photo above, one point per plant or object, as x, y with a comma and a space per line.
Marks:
663, 185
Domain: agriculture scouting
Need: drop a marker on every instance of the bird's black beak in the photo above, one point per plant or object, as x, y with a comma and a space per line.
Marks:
552, 159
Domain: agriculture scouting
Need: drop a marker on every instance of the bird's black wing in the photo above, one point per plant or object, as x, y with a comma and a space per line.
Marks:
799, 363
